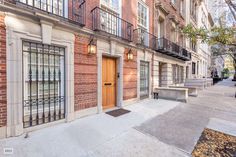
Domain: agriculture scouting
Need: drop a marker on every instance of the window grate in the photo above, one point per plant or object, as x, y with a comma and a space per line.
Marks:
44, 83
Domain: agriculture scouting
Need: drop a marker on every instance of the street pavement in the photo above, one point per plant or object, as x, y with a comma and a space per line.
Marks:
153, 128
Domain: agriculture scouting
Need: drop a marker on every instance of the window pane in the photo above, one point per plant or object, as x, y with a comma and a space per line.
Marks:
142, 15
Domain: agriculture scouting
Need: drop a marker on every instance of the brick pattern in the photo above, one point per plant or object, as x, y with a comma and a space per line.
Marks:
174, 10
131, 15
3, 74
129, 76
85, 75
90, 4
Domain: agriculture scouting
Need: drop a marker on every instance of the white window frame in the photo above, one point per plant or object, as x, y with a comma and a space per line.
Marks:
44, 7
173, 2
109, 6
141, 26
147, 8
118, 11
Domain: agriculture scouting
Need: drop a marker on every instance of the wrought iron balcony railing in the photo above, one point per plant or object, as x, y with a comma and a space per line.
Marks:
165, 46
186, 54
110, 23
72, 11
144, 38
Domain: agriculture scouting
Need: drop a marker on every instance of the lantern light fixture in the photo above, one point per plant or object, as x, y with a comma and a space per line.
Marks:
92, 47
130, 55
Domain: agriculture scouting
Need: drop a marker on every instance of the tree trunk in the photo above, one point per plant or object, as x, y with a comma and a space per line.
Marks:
234, 60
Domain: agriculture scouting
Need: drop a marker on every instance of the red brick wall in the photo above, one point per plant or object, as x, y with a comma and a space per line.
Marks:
150, 4
131, 15
3, 74
85, 75
173, 10
130, 76
90, 4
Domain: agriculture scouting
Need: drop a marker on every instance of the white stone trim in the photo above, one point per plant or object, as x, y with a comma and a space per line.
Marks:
18, 30
130, 101
110, 49
86, 112
3, 132
46, 31
45, 125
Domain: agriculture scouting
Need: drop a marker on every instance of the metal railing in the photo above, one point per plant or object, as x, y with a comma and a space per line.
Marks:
186, 54
170, 48
144, 38
71, 10
110, 23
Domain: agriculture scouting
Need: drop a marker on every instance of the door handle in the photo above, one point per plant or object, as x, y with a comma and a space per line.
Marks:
107, 84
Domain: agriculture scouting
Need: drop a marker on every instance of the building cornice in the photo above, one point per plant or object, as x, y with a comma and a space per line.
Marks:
174, 19
161, 7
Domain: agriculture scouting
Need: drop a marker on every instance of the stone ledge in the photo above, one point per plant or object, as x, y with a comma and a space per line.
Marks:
192, 91
178, 94
221, 125
3, 132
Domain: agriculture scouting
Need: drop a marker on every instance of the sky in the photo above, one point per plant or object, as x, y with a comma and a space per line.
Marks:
219, 8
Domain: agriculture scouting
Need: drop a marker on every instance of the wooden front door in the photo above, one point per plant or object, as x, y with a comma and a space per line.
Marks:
108, 82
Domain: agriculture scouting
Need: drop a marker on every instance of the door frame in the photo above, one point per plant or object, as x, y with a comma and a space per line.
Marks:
119, 81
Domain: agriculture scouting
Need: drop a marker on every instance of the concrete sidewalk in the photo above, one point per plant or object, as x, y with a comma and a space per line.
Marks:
181, 127
153, 128
98, 136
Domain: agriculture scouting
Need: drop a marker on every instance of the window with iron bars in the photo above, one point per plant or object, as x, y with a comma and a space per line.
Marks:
44, 83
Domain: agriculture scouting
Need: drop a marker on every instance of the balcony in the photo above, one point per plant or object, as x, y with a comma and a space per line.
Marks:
110, 23
72, 11
144, 39
172, 49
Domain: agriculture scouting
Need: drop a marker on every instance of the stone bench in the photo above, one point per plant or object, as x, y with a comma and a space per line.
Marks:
199, 83
209, 82
192, 91
179, 94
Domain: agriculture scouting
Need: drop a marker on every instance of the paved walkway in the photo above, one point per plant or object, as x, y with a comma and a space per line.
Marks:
181, 127
152, 128
99, 135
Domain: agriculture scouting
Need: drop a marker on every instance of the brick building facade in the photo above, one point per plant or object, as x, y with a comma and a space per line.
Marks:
85, 75
3, 74
53, 78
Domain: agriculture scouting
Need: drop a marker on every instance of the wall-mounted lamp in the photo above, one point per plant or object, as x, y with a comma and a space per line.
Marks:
130, 55
92, 47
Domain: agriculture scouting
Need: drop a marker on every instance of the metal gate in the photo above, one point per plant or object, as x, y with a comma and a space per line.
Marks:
43, 83
144, 79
